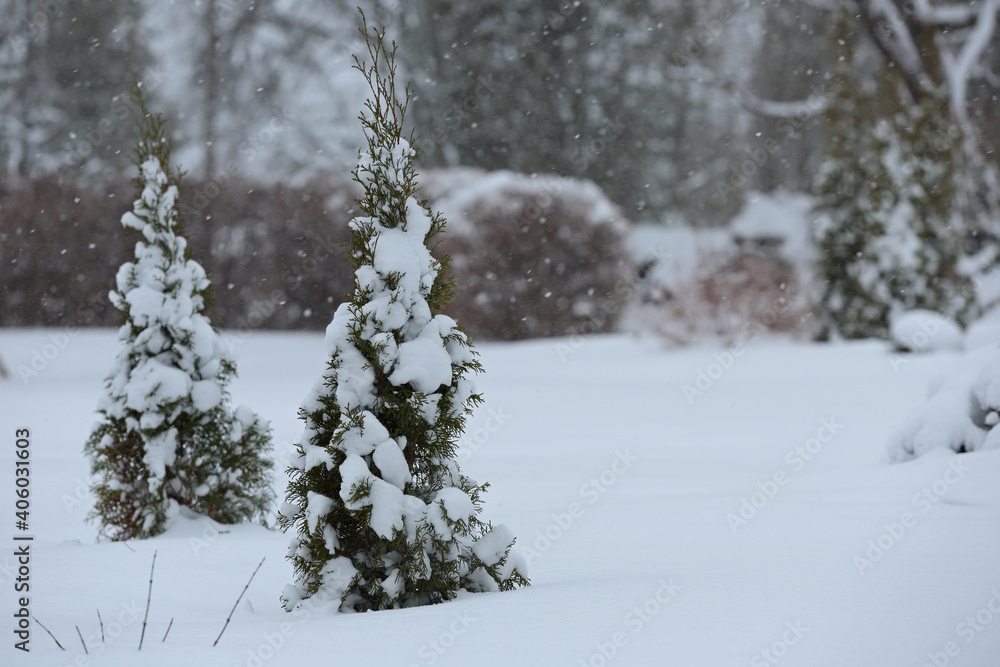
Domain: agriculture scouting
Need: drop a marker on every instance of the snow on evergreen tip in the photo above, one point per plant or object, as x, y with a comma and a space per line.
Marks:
383, 516
168, 436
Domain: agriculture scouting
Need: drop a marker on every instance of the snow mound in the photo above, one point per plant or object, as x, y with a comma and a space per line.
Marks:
778, 215
961, 414
924, 331
669, 257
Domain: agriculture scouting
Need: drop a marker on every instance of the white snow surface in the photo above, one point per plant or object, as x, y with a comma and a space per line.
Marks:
985, 331
620, 499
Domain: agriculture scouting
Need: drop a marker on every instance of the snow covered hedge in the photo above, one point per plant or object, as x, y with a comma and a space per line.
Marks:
536, 255
273, 249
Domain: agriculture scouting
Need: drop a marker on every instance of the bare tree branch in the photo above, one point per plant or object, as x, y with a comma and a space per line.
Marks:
959, 68
811, 106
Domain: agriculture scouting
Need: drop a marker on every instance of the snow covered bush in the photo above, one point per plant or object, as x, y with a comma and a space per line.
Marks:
776, 226
888, 239
924, 331
696, 284
168, 435
383, 516
961, 414
536, 255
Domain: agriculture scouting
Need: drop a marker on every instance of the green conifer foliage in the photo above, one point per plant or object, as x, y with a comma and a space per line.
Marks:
168, 436
383, 516
887, 235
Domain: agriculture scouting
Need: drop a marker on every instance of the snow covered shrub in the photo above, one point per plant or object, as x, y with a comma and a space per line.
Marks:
729, 298
887, 235
167, 434
776, 225
383, 516
536, 255
961, 414
924, 331
695, 284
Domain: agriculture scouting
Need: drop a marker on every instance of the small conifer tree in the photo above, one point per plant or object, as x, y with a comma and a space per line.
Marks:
167, 435
383, 516
888, 240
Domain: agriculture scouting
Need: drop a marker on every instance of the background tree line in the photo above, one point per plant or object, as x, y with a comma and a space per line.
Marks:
675, 109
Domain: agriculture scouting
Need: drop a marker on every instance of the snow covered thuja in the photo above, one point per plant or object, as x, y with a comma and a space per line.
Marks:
383, 516
888, 237
168, 436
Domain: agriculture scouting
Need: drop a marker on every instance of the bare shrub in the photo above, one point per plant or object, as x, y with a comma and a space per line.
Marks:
60, 247
272, 251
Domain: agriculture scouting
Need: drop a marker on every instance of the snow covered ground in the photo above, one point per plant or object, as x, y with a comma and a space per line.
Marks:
687, 507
